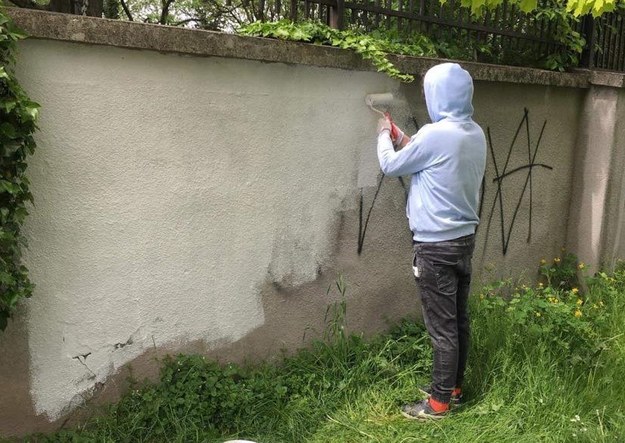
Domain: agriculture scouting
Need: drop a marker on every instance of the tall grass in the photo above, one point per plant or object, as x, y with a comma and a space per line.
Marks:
539, 371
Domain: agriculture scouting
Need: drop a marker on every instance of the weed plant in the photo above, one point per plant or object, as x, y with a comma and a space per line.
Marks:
547, 365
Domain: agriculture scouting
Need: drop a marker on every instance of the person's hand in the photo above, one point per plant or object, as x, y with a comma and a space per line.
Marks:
384, 124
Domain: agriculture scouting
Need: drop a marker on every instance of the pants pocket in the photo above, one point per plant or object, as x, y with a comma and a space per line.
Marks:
416, 269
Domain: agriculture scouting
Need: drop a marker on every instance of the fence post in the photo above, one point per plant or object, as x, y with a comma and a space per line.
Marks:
588, 29
293, 10
337, 13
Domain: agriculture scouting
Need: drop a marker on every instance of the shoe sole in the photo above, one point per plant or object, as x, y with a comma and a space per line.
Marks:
423, 417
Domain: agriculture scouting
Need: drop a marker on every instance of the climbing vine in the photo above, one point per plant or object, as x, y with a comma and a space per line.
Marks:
18, 116
373, 46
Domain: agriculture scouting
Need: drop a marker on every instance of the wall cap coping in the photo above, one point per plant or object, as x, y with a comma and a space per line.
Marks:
168, 39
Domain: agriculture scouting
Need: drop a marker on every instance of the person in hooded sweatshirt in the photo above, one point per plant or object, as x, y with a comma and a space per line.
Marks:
446, 160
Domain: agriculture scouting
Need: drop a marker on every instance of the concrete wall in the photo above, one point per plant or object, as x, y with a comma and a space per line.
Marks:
595, 229
205, 204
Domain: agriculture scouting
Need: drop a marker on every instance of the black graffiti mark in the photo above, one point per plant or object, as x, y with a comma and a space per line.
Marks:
482, 191
362, 226
504, 173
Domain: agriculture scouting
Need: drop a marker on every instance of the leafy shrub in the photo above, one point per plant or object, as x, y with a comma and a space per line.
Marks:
562, 272
555, 314
372, 46
18, 115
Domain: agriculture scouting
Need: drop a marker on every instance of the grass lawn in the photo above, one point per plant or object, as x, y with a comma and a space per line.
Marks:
547, 365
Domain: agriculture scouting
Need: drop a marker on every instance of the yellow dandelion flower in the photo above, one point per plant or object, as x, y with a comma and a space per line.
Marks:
540, 285
578, 313
579, 302
537, 314
543, 262
556, 260
581, 266
575, 290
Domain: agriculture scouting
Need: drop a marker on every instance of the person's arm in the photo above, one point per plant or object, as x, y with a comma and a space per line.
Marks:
408, 159
402, 144
398, 137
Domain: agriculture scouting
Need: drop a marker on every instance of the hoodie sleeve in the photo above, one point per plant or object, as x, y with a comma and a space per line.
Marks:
411, 159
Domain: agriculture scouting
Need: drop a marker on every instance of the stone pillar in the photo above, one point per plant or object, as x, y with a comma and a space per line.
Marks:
598, 197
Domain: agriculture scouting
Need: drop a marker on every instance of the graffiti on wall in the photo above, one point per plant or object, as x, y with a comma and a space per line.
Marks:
505, 172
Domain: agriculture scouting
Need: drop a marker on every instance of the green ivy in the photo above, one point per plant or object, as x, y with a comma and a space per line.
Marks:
372, 46
573, 43
18, 115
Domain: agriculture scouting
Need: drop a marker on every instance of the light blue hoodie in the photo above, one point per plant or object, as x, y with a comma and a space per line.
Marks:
446, 159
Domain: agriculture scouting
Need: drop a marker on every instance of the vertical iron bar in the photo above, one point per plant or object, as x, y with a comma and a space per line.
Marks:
608, 41
294, 10
621, 46
336, 14
602, 30
613, 40
504, 11
541, 35
399, 18
522, 23
550, 32
511, 23
454, 15
483, 37
435, 10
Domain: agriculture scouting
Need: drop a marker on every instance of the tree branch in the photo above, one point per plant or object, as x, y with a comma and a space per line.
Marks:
126, 10
165, 11
188, 20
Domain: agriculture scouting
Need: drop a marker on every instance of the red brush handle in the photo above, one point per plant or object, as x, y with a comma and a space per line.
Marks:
394, 128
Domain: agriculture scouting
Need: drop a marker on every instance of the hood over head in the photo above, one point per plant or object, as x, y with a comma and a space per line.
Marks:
448, 92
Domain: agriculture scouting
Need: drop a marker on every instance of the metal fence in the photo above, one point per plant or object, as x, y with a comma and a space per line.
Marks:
506, 34
605, 38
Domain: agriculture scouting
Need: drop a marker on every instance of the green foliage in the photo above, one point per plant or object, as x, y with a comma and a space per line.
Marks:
572, 42
576, 7
18, 115
373, 46
562, 272
563, 322
390, 38
594, 7
451, 43
460, 44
